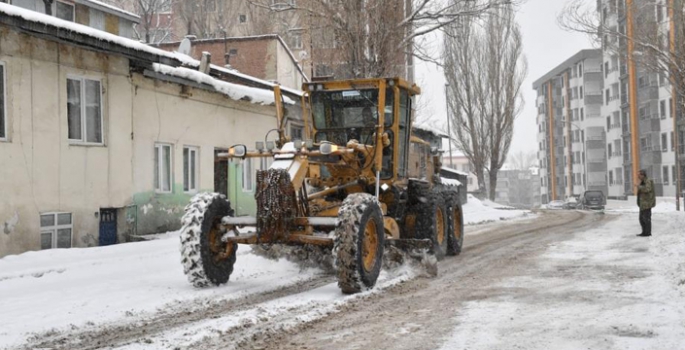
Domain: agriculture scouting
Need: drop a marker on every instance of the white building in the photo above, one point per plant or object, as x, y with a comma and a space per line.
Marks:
102, 137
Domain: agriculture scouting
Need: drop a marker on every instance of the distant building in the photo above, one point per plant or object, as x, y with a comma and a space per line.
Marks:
518, 188
264, 56
461, 163
571, 130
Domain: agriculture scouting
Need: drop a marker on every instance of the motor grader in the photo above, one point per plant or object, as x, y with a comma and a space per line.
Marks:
358, 183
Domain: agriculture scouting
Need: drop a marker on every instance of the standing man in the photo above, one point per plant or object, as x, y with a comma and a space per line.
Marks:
646, 201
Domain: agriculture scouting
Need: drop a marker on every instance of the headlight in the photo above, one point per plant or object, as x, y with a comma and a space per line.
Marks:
238, 151
327, 148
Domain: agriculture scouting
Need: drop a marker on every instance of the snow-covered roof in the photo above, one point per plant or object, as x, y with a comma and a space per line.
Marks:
454, 171
234, 91
61, 29
427, 128
450, 182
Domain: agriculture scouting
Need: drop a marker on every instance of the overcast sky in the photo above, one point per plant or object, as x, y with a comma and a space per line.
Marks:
545, 46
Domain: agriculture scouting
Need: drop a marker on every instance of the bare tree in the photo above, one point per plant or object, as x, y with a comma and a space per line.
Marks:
466, 77
153, 28
522, 160
507, 67
656, 38
375, 38
485, 68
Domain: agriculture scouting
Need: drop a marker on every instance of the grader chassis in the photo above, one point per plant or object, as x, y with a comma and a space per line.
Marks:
361, 174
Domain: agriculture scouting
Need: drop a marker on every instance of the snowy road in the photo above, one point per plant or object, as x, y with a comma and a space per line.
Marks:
560, 280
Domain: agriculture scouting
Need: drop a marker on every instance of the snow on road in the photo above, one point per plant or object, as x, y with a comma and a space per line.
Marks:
602, 289
639, 283
87, 288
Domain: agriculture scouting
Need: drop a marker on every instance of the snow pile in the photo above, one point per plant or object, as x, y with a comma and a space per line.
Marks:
450, 182
234, 91
477, 211
631, 206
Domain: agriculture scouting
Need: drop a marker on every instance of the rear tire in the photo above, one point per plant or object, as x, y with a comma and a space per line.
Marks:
431, 223
456, 229
359, 243
206, 259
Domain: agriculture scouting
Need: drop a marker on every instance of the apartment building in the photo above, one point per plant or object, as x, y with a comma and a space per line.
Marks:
638, 103
571, 134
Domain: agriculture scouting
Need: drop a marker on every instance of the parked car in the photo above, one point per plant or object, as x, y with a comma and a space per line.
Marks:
571, 203
555, 205
592, 200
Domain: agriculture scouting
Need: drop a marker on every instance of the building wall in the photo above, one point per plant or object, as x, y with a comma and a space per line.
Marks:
207, 121
43, 172
263, 58
87, 16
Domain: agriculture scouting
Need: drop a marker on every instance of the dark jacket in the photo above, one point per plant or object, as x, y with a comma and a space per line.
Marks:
645, 195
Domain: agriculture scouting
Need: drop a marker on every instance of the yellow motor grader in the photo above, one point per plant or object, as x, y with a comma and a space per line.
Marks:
359, 182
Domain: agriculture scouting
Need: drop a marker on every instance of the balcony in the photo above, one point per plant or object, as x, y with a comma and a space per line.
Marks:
592, 69
650, 123
648, 92
649, 156
593, 99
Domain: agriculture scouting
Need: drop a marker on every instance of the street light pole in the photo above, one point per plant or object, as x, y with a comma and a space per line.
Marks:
449, 129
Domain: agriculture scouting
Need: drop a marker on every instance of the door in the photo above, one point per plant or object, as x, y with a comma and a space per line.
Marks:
108, 226
220, 172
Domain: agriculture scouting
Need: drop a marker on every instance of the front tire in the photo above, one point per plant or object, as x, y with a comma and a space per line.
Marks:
206, 259
359, 243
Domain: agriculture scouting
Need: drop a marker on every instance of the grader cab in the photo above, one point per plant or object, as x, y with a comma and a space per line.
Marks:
359, 182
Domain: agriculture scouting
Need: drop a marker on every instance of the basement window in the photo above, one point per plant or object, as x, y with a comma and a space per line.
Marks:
55, 230
84, 110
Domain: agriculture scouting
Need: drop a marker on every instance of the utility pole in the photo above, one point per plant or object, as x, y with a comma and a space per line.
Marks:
449, 129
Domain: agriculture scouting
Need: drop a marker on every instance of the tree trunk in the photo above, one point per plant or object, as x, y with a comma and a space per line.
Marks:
492, 175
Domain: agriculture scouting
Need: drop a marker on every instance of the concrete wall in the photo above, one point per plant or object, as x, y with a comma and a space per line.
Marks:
261, 57
205, 120
43, 172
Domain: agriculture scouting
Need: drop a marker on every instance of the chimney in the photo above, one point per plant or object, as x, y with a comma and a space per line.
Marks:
205, 62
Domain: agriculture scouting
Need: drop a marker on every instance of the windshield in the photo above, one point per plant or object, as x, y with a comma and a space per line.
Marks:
348, 109
593, 195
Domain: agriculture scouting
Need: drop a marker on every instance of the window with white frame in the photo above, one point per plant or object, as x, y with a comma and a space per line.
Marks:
190, 168
248, 175
55, 230
665, 178
3, 114
163, 168
84, 110
64, 11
